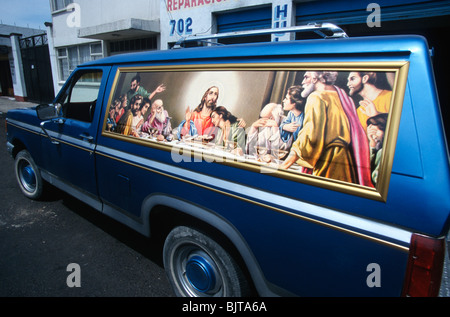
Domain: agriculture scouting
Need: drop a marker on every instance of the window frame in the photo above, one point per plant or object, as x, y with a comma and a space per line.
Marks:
61, 57
65, 98
55, 8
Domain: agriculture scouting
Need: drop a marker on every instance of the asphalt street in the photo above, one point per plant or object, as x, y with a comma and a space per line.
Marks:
40, 240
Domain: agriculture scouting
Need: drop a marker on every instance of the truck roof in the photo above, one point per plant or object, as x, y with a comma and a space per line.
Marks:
397, 44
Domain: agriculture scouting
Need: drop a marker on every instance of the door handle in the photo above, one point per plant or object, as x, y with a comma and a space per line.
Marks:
86, 137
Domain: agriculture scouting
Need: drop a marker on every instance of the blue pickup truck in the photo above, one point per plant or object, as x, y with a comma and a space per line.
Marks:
303, 168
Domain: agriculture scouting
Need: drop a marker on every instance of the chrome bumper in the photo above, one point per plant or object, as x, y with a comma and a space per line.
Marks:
10, 148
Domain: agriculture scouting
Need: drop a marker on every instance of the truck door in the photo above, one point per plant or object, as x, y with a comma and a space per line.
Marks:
69, 152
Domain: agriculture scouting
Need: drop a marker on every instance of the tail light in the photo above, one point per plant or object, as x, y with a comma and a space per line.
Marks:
425, 264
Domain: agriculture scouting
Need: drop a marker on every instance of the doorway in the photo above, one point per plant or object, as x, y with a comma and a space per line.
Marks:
37, 69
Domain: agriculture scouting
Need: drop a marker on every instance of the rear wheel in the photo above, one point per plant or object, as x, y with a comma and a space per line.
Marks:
28, 175
197, 266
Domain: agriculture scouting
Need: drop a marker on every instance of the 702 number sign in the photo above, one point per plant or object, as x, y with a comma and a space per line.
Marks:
182, 27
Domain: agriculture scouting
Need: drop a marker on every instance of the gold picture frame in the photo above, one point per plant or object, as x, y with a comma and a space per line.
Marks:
244, 90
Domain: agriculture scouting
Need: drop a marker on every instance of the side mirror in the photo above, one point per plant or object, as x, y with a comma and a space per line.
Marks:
48, 112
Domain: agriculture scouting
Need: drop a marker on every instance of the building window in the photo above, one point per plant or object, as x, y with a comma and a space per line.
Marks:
70, 57
243, 20
60, 4
144, 44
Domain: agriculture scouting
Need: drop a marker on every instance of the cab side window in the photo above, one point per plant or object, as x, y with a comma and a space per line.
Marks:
79, 99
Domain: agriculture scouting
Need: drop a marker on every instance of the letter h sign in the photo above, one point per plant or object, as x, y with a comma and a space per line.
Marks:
280, 18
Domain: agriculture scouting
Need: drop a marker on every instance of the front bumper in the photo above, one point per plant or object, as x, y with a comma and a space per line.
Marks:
10, 148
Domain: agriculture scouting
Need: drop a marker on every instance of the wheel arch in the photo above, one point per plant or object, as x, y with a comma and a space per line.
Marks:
166, 212
18, 146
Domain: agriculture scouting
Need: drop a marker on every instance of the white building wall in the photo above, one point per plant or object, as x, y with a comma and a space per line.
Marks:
66, 26
94, 15
105, 11
20, 92
175, 18
197, 16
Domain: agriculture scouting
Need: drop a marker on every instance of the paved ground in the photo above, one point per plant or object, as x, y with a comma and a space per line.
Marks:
40, 239
8, 103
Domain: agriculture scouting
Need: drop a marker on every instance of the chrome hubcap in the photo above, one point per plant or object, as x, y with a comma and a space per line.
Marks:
27, 176
200, 273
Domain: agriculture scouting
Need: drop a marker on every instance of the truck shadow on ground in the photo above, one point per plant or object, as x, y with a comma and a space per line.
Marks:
151, 248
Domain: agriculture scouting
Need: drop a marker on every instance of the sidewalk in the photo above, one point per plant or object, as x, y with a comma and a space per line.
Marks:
8, 103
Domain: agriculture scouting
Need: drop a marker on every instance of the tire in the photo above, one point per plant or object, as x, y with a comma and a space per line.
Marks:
28, 176
197, 266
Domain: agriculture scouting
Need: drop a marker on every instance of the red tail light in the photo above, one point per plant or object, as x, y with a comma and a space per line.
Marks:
425, 264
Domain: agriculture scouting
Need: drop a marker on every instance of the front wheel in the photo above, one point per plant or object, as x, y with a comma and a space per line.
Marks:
28, 176
197, 266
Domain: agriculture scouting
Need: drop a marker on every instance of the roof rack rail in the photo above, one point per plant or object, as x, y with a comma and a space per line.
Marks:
325, 30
